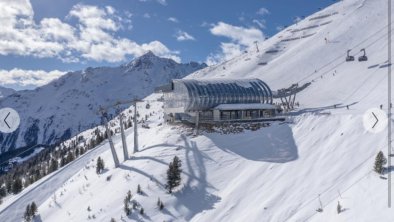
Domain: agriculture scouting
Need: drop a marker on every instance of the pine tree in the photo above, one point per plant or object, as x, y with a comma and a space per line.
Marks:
134, 205
54, 165
142, 211
129, 196
339, 208
174, 174
8, 185
161, 205
126, 207
380, 160
70, 157
139, 191
27, 214
33, 209
77, 152
63, 161
112, 220
3, 191
17, 186
158, 202
99, 165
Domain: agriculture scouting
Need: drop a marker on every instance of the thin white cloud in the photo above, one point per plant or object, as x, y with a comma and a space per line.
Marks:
128, 14
183, 36
163, 2
263, 11
228, 51
297, 19
32, 78
260, 23
146, 15
94, 37
173, 19
206, 24
241, 38
110, 10
238, 34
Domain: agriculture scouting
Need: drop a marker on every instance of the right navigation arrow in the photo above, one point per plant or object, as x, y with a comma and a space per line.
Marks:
377, 120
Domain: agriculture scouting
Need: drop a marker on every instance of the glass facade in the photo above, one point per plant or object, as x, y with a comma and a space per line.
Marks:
200, 95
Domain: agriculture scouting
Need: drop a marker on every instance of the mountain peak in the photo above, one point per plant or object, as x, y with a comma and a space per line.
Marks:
148, 58
149, 53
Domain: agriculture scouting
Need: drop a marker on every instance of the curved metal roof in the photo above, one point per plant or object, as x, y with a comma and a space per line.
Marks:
208, 93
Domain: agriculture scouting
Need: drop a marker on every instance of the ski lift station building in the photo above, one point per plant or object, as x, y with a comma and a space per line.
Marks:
218, 100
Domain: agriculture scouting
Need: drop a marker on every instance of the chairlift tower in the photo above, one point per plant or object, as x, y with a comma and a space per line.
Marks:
124, 143
104, 114
135, 122
122, 131
135, 101
109, 136
257, 46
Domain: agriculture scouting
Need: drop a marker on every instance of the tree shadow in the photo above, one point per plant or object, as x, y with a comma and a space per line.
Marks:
388, 170
37, 218
194, 195
159, 145
165, 211
136, 216
151, 177
104, 171
162, 162
272, 144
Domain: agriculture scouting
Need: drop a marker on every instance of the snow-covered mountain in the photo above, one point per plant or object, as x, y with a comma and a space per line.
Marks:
321, 156
4, 92
70, 104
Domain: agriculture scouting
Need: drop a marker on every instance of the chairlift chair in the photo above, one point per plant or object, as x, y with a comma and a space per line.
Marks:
349, 58
363, 58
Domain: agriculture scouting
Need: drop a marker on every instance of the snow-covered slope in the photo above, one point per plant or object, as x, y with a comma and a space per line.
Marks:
4, 92
70, 104
350, 24
273, 174
276, 173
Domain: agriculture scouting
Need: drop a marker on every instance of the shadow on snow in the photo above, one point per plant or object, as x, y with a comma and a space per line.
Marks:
194, 195
272, 144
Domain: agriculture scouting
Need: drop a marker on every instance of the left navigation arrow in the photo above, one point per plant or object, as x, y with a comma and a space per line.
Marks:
9, 120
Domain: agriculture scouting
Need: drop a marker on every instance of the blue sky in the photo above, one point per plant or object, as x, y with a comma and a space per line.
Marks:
44, 38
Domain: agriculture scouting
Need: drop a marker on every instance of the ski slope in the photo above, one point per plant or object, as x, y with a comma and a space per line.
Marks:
354, 24
272, 174
276, 173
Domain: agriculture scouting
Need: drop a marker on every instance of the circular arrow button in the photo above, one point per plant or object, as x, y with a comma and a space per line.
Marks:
375, 120
9, 120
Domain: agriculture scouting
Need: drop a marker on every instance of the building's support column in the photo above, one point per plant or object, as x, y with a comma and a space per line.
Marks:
216, 115
197, 123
